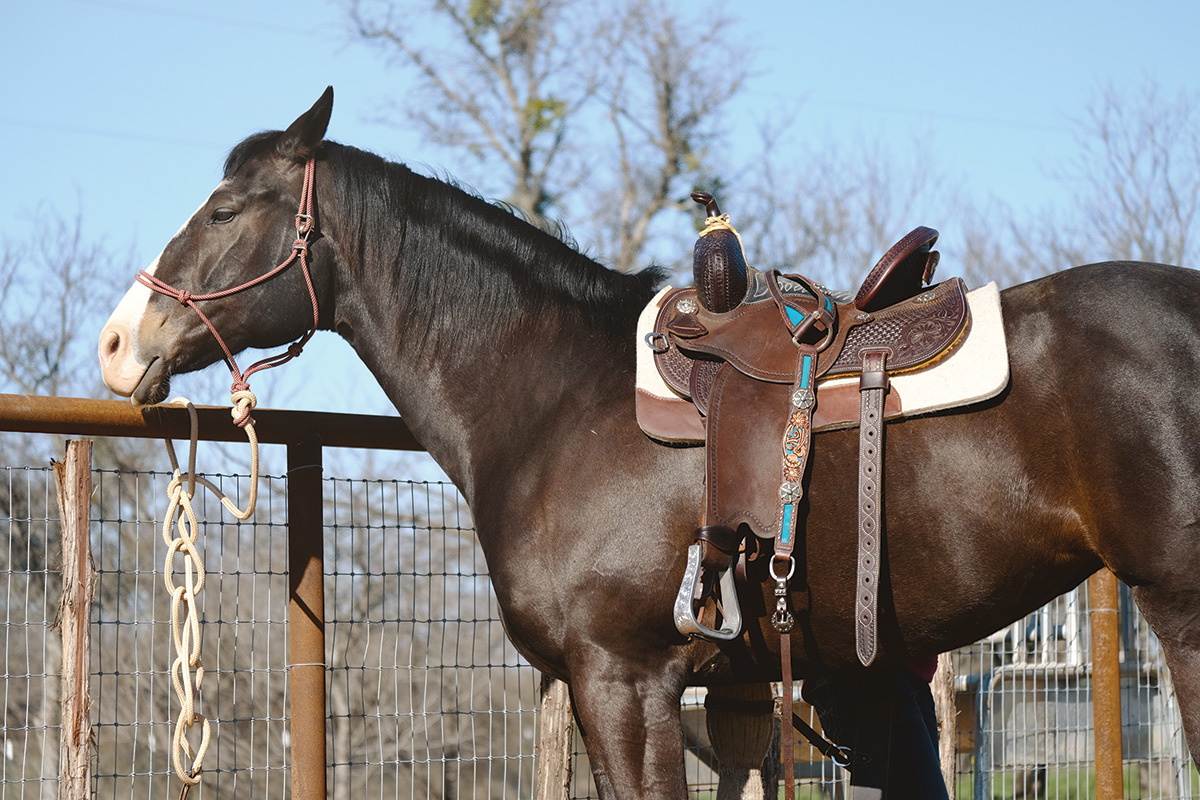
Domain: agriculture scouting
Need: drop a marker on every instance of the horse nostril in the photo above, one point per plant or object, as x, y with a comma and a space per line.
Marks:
110, 345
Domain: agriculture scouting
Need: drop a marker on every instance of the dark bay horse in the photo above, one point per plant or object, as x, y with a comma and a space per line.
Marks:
511, 356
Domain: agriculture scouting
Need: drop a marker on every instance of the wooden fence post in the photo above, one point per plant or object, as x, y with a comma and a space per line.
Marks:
945, 703
73, 477
555, 735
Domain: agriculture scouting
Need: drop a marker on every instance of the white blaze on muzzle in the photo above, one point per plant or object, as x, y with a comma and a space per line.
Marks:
119, 362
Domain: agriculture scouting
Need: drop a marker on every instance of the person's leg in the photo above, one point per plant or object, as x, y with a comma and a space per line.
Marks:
914, 770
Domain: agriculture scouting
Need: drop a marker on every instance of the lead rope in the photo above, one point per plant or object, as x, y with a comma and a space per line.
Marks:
187, 673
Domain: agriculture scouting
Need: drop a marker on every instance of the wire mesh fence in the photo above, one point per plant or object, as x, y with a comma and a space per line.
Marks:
31, 587
1025, 709
426, 697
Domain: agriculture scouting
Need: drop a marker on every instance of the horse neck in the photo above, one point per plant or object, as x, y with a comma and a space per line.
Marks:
482, 349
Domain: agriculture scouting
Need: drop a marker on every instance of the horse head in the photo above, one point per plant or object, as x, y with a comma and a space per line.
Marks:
211, 292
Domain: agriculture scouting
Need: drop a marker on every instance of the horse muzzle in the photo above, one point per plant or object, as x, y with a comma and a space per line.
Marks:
118, 363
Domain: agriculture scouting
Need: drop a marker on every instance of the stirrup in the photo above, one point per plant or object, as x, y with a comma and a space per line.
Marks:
685, 617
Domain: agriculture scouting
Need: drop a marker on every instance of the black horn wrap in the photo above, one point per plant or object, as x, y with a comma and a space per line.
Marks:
718, 262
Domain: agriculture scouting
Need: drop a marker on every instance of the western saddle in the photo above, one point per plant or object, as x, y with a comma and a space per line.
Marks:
748, 349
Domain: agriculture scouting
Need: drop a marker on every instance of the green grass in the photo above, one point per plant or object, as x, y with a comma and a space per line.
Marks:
1066, 784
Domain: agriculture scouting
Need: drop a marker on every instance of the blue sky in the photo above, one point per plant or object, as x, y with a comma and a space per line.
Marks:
123, 110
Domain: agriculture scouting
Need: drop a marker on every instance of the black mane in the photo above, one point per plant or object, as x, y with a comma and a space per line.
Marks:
446, 233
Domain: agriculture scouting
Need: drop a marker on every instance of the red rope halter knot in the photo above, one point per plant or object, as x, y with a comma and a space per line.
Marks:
305, 224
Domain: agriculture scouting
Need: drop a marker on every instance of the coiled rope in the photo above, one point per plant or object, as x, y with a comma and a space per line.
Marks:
181, 532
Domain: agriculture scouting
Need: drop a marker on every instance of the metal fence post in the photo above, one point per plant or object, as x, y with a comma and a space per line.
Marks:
1106, 684
306, 618
73, 477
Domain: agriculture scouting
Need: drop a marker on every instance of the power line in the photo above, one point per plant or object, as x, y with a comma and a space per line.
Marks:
175, 12
107, 133
916, 113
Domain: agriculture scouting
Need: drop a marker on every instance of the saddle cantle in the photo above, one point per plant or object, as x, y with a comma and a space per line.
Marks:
758, 369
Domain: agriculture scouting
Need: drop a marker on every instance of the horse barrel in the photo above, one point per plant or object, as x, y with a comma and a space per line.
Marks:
718, 263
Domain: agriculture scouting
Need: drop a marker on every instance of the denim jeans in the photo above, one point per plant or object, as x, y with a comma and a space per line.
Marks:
914, 770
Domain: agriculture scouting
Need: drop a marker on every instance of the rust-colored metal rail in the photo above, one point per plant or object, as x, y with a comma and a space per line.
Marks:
77, 417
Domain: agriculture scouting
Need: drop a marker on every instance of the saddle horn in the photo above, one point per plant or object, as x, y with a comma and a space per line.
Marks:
718, 261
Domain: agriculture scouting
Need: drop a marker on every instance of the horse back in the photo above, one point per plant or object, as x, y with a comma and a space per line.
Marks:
1087, 458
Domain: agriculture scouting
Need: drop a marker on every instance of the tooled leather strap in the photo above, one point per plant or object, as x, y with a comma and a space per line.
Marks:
797, 439
797, 318
873, 386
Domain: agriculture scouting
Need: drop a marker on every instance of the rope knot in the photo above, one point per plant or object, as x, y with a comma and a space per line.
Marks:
184, 297
295, 349
244, 402
300, 245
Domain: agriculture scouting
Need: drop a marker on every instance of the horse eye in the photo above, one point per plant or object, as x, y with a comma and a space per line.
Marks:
223, 215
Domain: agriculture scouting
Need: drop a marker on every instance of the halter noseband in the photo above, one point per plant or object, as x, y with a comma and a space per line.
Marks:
304, 227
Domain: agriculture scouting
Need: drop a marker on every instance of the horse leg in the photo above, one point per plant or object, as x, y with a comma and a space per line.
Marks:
1175, 617
632, 730
740, 724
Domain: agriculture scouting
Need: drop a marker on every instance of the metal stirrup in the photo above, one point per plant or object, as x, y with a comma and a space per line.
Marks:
685, 617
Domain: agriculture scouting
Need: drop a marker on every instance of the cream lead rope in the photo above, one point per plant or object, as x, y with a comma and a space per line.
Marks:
187, 673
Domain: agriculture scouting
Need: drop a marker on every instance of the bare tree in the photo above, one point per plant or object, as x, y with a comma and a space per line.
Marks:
1139, 173
57, 285
673, 79
52, 287
1135, 186
542, 88
501, 81
832, 211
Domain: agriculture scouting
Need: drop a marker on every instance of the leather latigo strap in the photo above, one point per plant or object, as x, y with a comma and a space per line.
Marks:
873, 386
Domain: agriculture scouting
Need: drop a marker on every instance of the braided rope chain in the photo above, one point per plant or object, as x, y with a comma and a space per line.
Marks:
187, 673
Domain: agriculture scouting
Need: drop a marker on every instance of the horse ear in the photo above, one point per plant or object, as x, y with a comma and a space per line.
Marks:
302, 136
